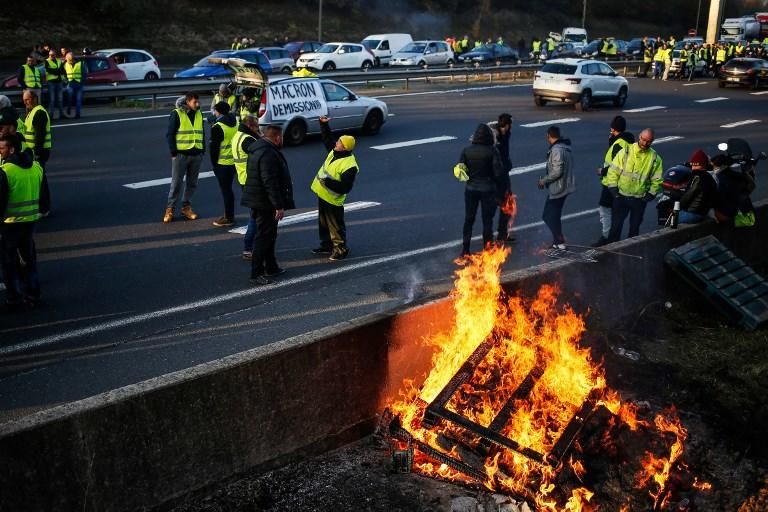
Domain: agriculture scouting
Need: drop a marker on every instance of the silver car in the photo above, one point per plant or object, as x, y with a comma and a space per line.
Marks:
424, 53
280, 59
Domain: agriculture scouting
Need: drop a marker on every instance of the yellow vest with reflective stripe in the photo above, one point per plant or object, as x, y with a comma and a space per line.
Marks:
74, 72
647, 56
609, 156
720, 55
32, 77
54, 64
29, 129
239, 156
332, 170
189, 136
536, 46
229, 99
636, 172
225, 150
23, 192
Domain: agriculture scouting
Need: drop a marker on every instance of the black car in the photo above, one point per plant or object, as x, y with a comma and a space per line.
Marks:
296, 48
744, 71
490, 53
592, 50
565, 50
635, 48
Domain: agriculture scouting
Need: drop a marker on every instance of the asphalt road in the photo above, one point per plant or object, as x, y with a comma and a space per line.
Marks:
127, 298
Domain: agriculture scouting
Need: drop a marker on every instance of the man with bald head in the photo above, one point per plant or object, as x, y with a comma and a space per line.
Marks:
634, 179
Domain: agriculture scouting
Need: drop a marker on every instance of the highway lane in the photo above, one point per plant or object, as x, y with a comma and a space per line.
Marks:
127, 298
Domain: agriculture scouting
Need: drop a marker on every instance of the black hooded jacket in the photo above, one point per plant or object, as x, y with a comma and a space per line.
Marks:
701, 194
484, 167
217, 135
268, 183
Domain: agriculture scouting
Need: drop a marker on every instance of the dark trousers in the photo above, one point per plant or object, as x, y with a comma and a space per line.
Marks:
487, 203
45, 192
552, 217
225, 174
333, 230
623, 206
16, 241
501, 231
264, 245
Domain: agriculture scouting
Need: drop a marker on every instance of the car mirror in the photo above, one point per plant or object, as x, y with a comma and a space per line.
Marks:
612, 73
426, 52
342, 51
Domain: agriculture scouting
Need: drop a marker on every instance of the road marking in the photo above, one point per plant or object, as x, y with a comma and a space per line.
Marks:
528, 168
709, 100
307, 216
67, 125
212, 301
758, 93
670, 138
163, 181
550, 123
740, 123
644, 109
416, 142
390, 115
695, 83
451, 91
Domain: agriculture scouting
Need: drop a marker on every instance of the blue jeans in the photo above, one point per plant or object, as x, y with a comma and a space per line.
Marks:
74, 95
55, 98
690, 218
552, 217
250, 235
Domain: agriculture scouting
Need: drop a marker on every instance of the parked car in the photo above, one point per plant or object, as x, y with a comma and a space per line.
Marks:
489, 54
332, 56
137, 64
203, 68
635, 48
279, 59
690, 41
383, 46
592, 50
565, 50
100, 70
744, 71
424, 53
297, 48
582, 82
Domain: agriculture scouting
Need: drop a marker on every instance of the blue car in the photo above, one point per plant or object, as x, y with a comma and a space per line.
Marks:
204, 69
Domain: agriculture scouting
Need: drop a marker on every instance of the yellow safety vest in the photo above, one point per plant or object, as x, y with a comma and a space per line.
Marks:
29, 129
229, 99
32, 77
74, 72
609, 156
536, 46
240, 157
23, 192
720, 56
225, 150
189, 136
54, 64
659, 56
647, 56
635, 173
332, 169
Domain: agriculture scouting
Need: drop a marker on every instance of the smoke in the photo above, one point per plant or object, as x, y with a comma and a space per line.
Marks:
414, 285
402, 17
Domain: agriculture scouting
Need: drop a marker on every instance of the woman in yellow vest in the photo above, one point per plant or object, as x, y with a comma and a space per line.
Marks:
332, 183
222, 131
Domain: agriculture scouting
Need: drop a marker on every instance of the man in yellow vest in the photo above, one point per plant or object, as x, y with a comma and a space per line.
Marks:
247, 134
186, 142
20, 203
225, 95
54, 74
658, 62
619, 139
29, 76
720, 58
223, 130
647, 61
76, 74
37, 136
667, 61
332, 183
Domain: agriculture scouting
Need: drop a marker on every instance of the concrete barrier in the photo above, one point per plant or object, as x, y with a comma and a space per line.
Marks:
143, 445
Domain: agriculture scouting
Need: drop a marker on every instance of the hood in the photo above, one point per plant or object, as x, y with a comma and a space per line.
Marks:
311, 55
23, 159
228, 119
181, 102
565, 142
626, 136
483, 135
202, 71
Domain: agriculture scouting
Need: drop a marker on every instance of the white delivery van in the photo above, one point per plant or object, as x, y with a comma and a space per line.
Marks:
576, 36
384, 46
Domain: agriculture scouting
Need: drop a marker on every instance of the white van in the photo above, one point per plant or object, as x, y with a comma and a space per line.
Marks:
576, 36
384, 46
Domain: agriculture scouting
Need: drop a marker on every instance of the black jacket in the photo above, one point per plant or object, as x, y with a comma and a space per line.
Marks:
24, 160
733, 188
483, 162
217, 135
173, 127
268, 182
343, 186
606, 198
701, 194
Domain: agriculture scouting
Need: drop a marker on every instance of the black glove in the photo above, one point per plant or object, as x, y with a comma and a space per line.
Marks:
648, 197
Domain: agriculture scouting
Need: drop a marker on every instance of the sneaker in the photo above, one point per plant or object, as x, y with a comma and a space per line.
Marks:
247, 255
273, 273
223, 222
188, 213
338, 255
45, 214
600, 242
322, 250
260, 281
168, 217
559, 247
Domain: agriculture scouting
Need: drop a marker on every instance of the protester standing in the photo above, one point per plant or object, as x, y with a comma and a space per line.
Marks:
37, 135
502, 129
559, 181
29, 76
247, 134
54, 73
619, 139
76, 74
186, 143
222, 132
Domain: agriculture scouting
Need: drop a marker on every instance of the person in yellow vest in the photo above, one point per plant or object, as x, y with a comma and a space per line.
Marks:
720, 58
647, 61
667, 61
222, 132
464, 43
29, 76
54, 74
37, 135
247, 134
739, 49
225, 95
332, 183
21, 179
619, 139
658, 63
186, 142
12, 125
76, 75
536, 48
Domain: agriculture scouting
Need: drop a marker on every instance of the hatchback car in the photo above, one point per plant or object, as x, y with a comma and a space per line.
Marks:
489, 54
205, 69
332, 56
137, 64
749, 72
100, 70
279, 58
582, 82
298, 48
424, 53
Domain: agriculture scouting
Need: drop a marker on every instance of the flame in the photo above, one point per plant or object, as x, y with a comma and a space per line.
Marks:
658, 468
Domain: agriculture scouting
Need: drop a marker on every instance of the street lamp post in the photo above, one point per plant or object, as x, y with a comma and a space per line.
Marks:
584, 14
320, 21
698, 15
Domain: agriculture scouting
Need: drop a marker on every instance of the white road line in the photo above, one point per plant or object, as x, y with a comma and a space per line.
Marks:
740, 123
390, 115
451, 91
670, 138
549, 123
710, 100
760, 93
212, 301
694, 83
108, 121
416, 142
528, 168
644, 109
307, 216
162, 181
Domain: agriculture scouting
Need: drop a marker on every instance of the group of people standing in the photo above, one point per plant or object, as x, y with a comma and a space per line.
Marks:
63, 77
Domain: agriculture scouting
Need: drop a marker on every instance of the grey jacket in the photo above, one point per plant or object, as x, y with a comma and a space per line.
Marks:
560, 179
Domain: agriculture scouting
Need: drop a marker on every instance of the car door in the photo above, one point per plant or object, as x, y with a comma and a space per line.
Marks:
140, 64
123, 62
343, 106
609, 77
593, 79
431, 54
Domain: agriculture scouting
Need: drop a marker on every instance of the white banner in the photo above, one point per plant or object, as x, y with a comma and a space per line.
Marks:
303, 97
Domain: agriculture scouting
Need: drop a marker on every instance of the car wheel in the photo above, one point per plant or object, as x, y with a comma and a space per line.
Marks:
539, 101
151, 76
621, 99
449, 63
295, 133
422, 64
373, 122
286, 70
377, 62
329, 66
585, 101
720, 84
367, 65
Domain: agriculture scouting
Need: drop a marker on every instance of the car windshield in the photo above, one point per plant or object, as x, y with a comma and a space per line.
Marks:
575, 38
371, 44
731, 31
413, 48
490, 48
559, 68
327, 48
203, 63
741, 64
292, 47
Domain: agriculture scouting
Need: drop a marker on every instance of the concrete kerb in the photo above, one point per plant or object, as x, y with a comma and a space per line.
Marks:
145, 444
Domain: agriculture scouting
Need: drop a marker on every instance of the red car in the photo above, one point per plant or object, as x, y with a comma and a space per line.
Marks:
101, 70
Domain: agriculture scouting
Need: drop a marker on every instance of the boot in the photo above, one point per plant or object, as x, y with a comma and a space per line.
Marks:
187, 212
168, 217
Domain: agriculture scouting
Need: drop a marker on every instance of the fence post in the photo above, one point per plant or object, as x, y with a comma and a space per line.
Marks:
406, 83
154, 101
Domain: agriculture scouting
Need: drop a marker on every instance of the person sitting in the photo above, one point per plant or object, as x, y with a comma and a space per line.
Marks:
701, 194
733, 189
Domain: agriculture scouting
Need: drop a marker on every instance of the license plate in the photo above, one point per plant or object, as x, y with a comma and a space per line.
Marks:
733, 79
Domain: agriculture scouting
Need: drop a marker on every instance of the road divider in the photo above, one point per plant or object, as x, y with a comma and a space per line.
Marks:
740, 123
163, 181
710, 100
670, 138
644, 109
308, 216
552, 122
416, 142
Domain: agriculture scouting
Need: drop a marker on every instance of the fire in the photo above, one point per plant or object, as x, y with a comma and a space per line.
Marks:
529, 381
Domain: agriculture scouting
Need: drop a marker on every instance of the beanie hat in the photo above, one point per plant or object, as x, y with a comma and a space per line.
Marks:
619, 124
699, 157
8, 116
348, 142
222, 108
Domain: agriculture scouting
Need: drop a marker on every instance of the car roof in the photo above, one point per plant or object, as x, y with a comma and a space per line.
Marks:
428, 41
570, 61
343, 42
115, 50
262, 48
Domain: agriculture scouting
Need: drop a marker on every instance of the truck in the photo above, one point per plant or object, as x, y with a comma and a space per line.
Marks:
576, 36
762, 18
745, 28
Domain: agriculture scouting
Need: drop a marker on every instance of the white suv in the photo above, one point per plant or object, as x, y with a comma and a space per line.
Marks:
332, 56
579, 81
